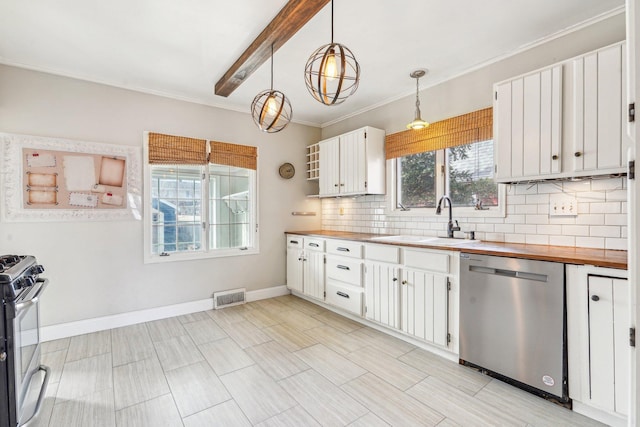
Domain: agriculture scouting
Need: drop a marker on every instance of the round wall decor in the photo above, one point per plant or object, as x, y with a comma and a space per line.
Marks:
287, 170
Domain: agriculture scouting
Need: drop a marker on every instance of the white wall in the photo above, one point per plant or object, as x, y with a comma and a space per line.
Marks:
601, 220
96, 268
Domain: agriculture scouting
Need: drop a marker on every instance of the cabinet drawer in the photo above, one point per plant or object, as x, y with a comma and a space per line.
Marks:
345, 297
432, 261
345, 270
344, 248
384, 253
313, 244
294, 242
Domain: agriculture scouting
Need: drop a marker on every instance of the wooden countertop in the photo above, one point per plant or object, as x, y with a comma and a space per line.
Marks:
568, 255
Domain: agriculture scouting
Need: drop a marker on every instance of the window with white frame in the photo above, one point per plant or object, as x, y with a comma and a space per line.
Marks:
427, 166
199, 210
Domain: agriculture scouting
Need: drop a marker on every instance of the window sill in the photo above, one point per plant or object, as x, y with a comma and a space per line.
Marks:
494, 212
190, 256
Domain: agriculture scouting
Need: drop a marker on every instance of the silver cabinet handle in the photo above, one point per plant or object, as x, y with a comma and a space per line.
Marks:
342, 294
314, 245
341, 249
295, 242
343, 267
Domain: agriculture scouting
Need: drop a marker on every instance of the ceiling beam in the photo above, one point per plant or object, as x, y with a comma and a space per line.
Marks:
287, 22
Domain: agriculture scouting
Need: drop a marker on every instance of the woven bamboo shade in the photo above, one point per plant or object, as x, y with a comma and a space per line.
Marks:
465, 129
176, 150
241, 156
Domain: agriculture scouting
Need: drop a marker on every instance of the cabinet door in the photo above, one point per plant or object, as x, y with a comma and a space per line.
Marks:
599, 105
294, 269
425, 305
353, 163
313, 267
329, 181
528, 125
382, 297
608, 343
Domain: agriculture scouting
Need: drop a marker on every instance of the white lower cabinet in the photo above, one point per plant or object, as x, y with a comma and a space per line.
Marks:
409, 290
425, 302
382, 293
305, 265
344, 275
598, 340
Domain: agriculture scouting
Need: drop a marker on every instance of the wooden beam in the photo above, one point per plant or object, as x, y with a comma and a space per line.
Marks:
287, 22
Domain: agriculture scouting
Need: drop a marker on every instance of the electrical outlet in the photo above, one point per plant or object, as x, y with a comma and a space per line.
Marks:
341, 210
563, 205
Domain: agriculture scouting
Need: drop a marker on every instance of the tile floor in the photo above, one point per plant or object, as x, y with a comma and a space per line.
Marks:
275, 362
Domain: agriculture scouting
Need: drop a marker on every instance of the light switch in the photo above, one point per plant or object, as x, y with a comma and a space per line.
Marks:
563, 205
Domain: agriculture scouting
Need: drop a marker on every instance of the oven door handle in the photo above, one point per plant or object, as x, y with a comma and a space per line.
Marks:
24, 304
41, 395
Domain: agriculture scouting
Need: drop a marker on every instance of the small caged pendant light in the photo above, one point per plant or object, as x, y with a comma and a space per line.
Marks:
417, 122
270, 109
332, 73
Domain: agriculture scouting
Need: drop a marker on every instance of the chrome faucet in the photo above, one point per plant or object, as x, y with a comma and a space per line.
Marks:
450, 227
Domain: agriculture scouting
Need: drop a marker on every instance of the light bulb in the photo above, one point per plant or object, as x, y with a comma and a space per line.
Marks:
272, 105
331, 67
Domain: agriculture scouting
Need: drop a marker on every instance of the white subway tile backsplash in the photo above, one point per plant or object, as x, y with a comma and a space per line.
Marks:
537, 239
575, 230
549, 229
601, 221
591, 219
615, 219
562, 240
537, 219
605, 207
590, 242
616, 244
604, 231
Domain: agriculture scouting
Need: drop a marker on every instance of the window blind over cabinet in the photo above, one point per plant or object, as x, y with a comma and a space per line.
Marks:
460, 130
176, 150
241, 156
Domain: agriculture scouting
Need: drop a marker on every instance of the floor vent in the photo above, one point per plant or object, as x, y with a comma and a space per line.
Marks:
229, 298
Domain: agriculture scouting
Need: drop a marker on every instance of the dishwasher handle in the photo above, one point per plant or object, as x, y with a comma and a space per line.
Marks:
508, 273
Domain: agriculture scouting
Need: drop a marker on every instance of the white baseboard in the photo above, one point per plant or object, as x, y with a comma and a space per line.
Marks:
608, 418
80, 327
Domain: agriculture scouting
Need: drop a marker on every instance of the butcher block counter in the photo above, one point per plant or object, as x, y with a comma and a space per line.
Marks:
565, 254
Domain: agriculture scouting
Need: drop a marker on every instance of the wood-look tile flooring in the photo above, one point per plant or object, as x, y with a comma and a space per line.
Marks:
275, 362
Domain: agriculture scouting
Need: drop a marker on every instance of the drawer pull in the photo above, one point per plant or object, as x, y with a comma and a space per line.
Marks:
314, 245
595, 298
295, 242
577, 154
342, 294
343, 267
341, 249
395, 279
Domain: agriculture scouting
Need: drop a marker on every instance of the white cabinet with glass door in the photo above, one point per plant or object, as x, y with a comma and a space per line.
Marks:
352, 163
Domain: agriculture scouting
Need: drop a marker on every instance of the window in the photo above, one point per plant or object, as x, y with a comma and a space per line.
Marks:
200, 210
467, 177
452, 157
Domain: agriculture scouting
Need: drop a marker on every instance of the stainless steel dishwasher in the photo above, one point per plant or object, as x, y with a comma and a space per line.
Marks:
512, 321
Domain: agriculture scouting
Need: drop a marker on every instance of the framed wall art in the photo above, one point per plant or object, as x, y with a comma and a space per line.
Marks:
52, 179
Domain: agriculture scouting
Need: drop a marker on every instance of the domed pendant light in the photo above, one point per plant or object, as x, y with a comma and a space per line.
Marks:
332, 73
270, 109
417, 123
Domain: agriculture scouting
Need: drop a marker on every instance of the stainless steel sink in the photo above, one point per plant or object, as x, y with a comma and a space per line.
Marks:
435, 241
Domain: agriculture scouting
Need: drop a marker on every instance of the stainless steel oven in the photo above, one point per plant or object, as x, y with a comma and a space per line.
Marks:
20, 344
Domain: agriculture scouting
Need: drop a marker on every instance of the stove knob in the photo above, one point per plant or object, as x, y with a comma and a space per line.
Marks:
37, 269
29, 281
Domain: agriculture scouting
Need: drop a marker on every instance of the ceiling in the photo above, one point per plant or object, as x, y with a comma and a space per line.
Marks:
181, 48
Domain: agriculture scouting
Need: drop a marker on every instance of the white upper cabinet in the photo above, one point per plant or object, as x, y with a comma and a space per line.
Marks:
528, 125
598, 111
563, 121
353, 163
